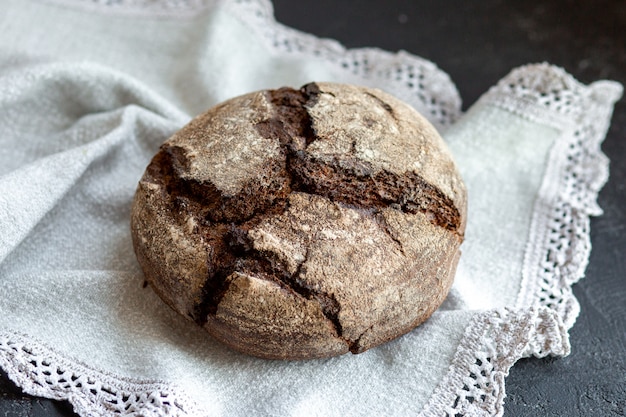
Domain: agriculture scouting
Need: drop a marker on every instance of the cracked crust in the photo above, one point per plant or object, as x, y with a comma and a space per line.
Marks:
307, 223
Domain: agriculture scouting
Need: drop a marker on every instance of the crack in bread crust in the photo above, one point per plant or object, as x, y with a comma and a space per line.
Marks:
344, 179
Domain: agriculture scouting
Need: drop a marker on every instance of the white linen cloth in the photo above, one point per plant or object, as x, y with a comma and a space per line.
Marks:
89, 90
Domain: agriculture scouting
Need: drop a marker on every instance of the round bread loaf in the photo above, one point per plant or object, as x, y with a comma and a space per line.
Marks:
295, 224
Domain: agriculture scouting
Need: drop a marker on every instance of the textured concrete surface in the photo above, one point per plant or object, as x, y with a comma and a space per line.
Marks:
477, 43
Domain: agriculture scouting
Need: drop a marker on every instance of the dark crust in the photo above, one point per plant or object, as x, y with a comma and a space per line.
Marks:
354, 183
224, 221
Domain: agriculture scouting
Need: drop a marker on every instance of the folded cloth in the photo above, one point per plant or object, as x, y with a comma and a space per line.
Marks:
90, 90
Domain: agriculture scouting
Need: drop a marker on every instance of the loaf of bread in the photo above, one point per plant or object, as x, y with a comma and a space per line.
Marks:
296, 224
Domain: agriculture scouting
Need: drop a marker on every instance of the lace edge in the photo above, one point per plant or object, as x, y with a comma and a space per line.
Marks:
41, 371
493, 341
409, 77
558, 245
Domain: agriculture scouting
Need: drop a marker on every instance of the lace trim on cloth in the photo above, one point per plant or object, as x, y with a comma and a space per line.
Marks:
43, 372
558, 245
493, 342
408, 77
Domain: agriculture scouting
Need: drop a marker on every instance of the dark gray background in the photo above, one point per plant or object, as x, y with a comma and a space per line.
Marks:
477, 43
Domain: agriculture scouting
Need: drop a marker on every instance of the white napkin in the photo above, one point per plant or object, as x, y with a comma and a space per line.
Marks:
91, 89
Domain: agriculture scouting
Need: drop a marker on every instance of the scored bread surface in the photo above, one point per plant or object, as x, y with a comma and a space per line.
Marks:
307, 223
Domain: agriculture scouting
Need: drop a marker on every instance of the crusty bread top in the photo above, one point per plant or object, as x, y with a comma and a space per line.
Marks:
350, 123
